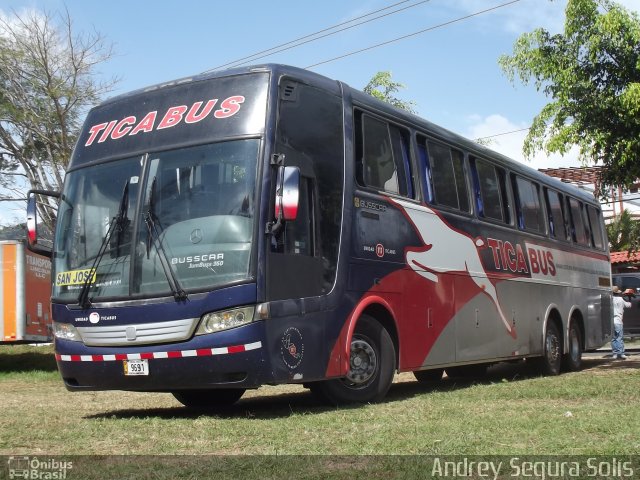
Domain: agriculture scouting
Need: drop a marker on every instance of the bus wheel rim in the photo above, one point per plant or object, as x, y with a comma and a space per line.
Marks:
363, 363
553, 348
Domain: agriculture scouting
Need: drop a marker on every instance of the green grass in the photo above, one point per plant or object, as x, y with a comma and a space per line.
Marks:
512, 411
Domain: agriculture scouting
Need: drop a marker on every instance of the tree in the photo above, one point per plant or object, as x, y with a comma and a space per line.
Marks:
624, 233
382, 87
591, 73
47, 83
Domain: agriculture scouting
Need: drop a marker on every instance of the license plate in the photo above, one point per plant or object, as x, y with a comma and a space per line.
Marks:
136, 367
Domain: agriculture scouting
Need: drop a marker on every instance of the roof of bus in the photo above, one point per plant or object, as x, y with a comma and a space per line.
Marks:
360, 98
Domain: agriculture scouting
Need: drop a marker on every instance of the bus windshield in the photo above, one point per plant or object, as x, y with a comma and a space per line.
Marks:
184, 216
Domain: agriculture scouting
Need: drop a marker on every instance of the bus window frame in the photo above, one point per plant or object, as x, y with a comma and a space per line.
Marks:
572, 226
501, 176
545, 232
433, 201
566, 239
359, 113
603, 237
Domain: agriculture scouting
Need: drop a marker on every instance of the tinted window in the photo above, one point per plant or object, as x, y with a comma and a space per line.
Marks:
310, 135
385, 157
557, 223
578, 231
596, 227
489, 195
447, 175
528, 205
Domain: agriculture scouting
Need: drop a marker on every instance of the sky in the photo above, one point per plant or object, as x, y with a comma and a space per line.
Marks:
451, 72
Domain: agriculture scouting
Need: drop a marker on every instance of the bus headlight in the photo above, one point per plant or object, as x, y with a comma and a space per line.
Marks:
218, 321
66, 331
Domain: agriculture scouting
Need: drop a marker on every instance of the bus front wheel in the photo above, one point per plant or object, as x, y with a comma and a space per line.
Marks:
371, 370
208, 399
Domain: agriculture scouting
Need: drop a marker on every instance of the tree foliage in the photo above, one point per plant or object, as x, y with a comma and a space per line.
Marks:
591, 73
624, 233
47, 83
382, 87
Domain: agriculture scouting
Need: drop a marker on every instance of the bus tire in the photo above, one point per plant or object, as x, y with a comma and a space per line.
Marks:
551, 360
208, 399
429, 376
572, 360
372, 367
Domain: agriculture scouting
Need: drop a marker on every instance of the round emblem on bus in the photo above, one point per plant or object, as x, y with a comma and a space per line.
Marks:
94, 317
292, 348
380, 250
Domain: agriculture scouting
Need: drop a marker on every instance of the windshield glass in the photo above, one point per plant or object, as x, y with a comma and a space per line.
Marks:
195, 215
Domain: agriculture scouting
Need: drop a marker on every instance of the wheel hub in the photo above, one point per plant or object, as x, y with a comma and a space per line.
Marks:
363, 362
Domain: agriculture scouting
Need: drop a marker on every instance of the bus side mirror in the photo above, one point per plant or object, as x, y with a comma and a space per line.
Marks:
288, 193
287, 198
34, 241
32, 221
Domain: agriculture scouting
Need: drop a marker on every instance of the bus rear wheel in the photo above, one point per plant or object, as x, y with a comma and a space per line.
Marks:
572, 360
371, 370
208, 399
551, 360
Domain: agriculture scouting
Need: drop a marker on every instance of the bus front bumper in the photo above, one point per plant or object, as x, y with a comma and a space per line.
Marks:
231, 359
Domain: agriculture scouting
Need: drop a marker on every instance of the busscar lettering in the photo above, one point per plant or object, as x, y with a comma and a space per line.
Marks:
197, 258
173, 116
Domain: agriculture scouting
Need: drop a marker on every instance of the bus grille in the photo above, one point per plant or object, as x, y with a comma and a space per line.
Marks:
139, 334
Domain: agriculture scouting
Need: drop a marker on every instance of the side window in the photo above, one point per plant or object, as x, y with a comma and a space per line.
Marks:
595, 219
491, 195
384, 157
446, 166
555, 210
528, 208
577, 227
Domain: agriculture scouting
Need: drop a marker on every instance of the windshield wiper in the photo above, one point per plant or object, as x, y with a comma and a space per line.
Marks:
150, 220
118, 223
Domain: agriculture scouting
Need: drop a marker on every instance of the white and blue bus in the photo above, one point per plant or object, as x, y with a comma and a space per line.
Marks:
269, 225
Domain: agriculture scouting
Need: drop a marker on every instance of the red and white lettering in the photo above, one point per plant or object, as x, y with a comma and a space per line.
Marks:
173, 117
146, 124
509, 255
542, 262
123, 127
521, 262
193, 116
107, 131
229, 107
93, 133
197, 112
552, 265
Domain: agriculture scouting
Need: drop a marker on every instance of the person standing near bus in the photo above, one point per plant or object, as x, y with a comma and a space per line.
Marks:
617, 342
